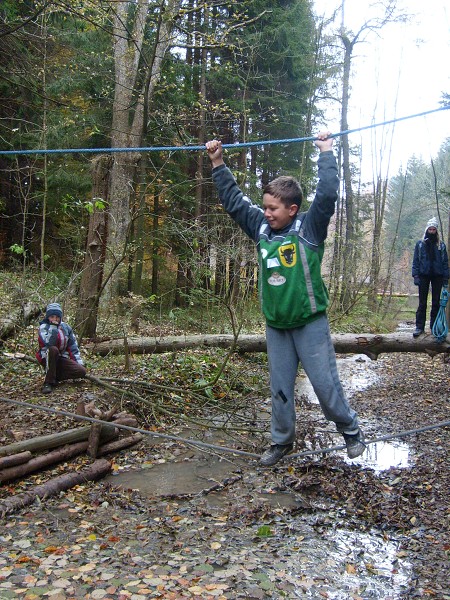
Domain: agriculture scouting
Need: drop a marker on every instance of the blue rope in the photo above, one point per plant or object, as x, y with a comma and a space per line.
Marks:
202, 147
440, 326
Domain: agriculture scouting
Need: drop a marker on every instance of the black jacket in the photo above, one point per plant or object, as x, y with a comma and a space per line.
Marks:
430, 261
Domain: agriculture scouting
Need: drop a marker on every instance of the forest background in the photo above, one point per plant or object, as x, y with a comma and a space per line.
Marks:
142, 231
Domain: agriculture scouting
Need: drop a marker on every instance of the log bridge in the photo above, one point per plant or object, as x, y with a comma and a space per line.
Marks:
372, 345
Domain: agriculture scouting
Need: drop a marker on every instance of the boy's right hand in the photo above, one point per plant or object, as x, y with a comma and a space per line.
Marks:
215, 152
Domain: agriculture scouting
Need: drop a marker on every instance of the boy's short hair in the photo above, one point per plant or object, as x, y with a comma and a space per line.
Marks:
287, 189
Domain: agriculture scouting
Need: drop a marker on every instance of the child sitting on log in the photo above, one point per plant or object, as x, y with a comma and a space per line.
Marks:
58, 349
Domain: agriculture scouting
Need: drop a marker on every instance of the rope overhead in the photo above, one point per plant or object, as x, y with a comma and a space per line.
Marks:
202, 147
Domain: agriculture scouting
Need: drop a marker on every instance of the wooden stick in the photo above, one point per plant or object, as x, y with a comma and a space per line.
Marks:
120, 444
94, 439
15, 459
95, 471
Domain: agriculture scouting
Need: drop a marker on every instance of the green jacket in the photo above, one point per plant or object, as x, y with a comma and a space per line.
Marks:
292, 291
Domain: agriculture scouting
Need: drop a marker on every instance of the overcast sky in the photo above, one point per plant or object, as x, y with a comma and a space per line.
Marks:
402, 72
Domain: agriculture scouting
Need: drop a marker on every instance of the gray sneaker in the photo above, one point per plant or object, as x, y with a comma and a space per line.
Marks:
355, 444
274, 454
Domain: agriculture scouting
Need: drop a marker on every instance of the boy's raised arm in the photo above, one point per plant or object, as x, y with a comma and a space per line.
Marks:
247, 215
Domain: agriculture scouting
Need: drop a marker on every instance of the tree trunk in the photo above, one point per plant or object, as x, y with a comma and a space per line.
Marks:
95, 471
370, 344
91, 280
128, 118
380, 196
155, 245
128, 36
136, 283
94, 440
348, 262
184, 283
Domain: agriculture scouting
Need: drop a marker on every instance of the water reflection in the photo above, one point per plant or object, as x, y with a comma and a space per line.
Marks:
381, 456
368, 564
357, 374
353, 372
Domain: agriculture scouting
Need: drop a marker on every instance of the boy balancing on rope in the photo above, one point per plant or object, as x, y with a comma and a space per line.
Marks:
293, 295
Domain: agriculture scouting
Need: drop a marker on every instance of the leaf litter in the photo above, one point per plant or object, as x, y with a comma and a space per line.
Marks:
316, 528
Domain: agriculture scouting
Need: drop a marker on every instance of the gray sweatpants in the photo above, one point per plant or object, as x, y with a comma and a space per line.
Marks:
312, 346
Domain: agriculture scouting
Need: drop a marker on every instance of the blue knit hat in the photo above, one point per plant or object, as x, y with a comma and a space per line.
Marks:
54, 309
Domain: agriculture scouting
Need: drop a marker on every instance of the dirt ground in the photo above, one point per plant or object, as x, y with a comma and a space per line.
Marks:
312, 527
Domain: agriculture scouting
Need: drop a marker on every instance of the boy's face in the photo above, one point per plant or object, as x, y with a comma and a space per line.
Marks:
277, 214
54, 319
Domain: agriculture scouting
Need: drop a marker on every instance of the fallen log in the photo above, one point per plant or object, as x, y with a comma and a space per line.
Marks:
129, 421
15, 459
41, 462
53, 440
344, 343
22, 316
38, 463
95, 471
125, 442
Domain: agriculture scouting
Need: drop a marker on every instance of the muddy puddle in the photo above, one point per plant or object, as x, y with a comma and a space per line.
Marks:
317, 561
331, 562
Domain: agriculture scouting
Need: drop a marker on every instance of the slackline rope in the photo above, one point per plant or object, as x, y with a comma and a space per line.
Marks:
191, 442
440, 325
202, 147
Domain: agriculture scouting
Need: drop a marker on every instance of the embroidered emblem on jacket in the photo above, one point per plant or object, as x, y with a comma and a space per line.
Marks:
276, 279
288, 255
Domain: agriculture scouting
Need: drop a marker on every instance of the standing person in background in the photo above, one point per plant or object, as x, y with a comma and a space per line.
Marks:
429, 266
58, 349
293, 295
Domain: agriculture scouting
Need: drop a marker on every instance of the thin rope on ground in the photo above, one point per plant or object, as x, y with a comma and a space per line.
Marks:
383, 438
226, 449
165, 436
202, 147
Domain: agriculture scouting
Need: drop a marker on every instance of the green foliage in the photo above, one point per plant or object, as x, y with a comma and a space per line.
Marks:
18, 249
262, 80
264, 531
9, 11
71, 205
206, 313
31, 285
360, 318
415, 196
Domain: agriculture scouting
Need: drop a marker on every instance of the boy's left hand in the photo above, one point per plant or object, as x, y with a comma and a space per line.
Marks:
324, 142
215, 152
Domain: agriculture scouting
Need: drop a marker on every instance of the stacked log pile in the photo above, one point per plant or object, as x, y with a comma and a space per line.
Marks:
19, 459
